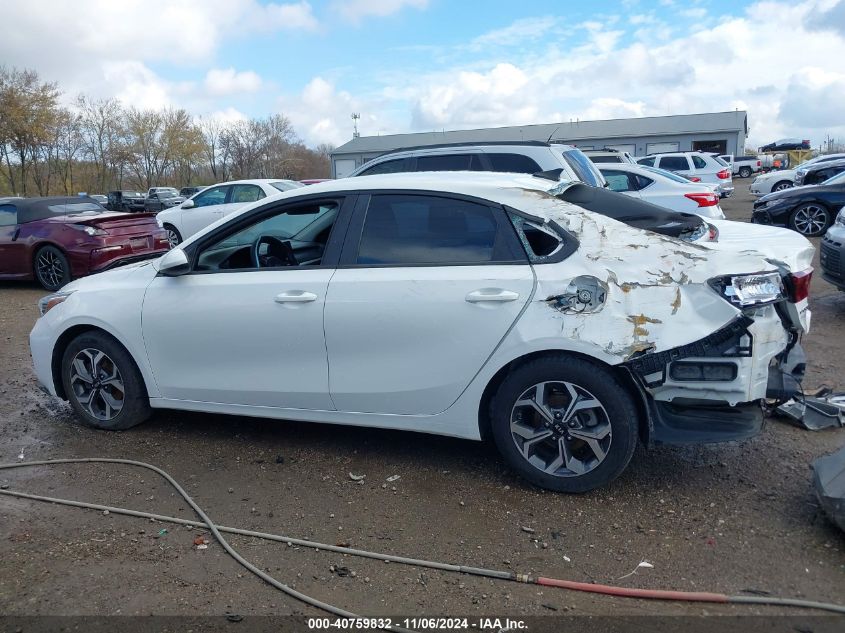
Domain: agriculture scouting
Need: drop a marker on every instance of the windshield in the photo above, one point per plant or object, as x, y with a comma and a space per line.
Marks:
838, 179
168, 193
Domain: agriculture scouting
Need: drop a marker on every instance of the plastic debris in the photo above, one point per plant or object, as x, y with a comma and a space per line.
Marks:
20, 456
567, 559
162, 532
829, 482
340, 570
355, 477
530, 530
642, 564
820, 411
394, 478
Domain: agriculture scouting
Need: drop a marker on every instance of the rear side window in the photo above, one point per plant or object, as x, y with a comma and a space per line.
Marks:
617, 180
387, 167
449, 162
404, 230
583, 168
674, 163
247, 193
514, 163
649, 162
720, 161
8, 215
700, 163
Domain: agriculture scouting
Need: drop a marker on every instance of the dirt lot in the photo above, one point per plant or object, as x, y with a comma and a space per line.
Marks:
730, 518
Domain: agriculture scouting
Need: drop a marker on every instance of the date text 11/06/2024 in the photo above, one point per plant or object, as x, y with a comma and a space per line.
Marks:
422, 624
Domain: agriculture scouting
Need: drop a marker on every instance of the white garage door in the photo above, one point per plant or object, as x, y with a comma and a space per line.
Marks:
343, 167
661, 148
631, 149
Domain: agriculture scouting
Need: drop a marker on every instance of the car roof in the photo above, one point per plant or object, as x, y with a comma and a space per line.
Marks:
250, 181
825, 164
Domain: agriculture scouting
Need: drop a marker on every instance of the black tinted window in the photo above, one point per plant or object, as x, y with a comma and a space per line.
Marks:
647, 161
516, 163
387, 167
447, 162
408, 230
674, 163
8, 215
606, 158
701, 164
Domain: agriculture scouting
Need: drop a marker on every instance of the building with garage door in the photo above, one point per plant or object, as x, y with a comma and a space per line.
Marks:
722, 132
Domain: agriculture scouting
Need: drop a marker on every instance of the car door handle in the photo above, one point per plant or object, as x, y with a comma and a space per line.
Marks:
492, 294
295, 296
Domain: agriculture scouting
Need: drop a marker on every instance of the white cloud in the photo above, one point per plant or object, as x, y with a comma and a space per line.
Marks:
273, 17
220, 82
355, 10
517, 33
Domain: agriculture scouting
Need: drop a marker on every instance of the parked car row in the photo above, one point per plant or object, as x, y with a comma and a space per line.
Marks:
696, 166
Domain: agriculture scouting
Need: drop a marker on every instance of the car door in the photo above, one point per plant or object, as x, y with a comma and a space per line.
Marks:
621, 182
208, 208
12, 260
235, 333
427, 288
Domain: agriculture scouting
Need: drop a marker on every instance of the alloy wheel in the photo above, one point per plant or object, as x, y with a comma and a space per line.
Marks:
97, 384
561, 429
172, 238
782, 186
51, 269
810, 219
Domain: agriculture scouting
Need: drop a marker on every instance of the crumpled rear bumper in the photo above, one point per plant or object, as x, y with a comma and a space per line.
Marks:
764, 358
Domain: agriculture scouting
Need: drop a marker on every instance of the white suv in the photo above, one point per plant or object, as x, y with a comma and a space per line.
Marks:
609, 155
522, 157
697, 166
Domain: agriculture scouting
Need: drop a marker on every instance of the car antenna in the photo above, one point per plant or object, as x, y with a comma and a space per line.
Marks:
549, 140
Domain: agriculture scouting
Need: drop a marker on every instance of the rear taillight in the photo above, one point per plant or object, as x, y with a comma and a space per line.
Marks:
759, 164
694, 179
703, 199
798, 285
724, 174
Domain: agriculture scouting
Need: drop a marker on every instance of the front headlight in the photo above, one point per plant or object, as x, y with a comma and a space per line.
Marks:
160, 222
840, 217
45, 304
749, 290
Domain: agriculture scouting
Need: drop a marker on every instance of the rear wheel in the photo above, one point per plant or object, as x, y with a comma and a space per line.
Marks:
744, 172
810, 219
564, 424
173, 236
51, 267
103, 383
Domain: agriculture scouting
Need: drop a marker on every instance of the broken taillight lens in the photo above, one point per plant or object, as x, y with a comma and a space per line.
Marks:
724, 174
798, 285
703, 199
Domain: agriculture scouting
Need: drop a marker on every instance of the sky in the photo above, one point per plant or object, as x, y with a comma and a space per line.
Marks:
421, 65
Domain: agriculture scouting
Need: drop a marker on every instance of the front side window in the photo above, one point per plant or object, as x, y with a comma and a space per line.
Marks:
8, 215
408, 230
246, 193
296, 236
387, 167
617, 180
700, 163
210, 197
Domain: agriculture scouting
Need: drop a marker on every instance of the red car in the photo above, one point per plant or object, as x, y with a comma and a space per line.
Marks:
56, 239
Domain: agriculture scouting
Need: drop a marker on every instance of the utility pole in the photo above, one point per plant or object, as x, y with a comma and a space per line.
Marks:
355, 118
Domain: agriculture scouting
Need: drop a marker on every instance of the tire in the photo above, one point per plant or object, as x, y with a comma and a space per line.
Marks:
531, 442
782, 185
117, 404
51, 268
173, 235
745, 172
810, 219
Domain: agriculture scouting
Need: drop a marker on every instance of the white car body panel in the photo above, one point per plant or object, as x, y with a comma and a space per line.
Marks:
657, 298
765, 183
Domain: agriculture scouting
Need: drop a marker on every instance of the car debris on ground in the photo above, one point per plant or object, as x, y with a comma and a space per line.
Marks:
829, 481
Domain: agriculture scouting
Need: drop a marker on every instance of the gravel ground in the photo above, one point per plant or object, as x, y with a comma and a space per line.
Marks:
730, 518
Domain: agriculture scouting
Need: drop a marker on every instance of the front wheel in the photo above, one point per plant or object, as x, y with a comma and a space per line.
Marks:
103, 383
782, 186
810, 220
564, 424
52, 269
173, 236
744, 172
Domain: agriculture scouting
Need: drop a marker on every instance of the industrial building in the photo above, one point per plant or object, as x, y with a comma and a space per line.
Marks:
722, 132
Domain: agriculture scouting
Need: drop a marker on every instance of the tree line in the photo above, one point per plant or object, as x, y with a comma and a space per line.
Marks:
97, 145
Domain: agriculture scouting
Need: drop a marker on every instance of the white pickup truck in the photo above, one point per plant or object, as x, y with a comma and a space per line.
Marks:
743, 166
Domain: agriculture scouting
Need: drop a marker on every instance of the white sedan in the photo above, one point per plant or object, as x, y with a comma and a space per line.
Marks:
463, 304
662, 188
213, 203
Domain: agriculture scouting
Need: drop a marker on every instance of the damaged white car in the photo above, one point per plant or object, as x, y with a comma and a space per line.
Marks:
469, 305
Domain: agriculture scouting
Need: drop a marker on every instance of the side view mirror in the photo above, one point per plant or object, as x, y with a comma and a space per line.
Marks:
188, 204
174, 263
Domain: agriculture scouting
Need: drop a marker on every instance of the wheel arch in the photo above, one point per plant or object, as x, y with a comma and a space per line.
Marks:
65, 339
624, 377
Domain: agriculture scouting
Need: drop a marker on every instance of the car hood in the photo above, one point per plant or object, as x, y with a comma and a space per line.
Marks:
797, 191
781, 174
